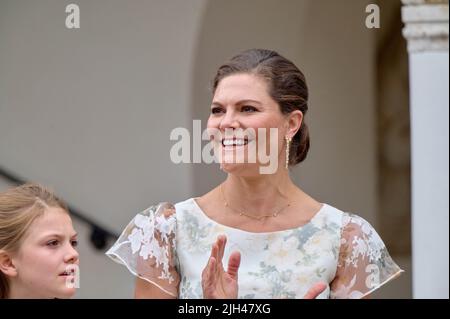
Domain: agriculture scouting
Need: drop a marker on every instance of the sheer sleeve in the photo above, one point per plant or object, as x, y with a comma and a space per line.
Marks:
147, 247
364, 263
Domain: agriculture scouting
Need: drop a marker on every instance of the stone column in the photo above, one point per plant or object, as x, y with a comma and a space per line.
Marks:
426, 30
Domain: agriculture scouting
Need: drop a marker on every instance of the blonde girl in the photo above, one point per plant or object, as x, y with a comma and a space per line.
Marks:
38, 256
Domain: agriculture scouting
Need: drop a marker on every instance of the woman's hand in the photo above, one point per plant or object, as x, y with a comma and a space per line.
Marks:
216, 282
315, 290
220, 284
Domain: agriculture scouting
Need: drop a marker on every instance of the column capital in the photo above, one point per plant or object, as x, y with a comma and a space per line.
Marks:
426, 25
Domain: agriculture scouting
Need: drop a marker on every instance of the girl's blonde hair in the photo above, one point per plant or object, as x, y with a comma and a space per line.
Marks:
19, 207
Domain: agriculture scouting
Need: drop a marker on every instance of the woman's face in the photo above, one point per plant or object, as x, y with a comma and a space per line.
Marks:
242, 101
46, 256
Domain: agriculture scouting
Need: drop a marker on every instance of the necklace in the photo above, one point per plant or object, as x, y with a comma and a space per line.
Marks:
243, 213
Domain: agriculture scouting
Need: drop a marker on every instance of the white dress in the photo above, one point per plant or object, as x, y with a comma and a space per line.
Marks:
169, 246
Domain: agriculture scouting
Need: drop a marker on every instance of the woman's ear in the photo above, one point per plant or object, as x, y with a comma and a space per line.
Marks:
6, 264
294, 122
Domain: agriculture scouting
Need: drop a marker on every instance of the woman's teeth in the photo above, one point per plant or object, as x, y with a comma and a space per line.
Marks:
233, 142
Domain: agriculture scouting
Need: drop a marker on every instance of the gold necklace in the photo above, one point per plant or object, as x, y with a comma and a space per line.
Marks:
243, 213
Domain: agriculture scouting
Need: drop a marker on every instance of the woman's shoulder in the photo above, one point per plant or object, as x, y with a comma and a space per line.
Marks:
158, 212
196, 205
348, 221
188, 203
353, 225
330, 214
345, 216
158, 209
353, 222
167, 208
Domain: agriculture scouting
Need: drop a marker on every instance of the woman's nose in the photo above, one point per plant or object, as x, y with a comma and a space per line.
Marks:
229, 120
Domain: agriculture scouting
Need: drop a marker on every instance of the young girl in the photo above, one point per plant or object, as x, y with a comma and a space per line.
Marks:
38, 257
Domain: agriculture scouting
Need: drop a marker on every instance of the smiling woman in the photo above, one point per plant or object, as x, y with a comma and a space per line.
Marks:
282, 242
38, 257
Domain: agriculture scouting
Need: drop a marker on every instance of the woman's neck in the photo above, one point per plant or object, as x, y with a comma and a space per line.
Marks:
260, 195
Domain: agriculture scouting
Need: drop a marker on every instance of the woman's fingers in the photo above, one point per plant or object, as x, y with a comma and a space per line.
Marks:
315, 290
208, 279
214, 265
215, 282
214, 250
210, 275
233, 264
214, 254
212, 270
222, 241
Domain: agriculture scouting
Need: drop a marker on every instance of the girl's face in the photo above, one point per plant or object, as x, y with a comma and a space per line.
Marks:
46, 256
242, 101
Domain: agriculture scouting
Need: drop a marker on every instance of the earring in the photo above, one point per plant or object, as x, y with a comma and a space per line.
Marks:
288, 146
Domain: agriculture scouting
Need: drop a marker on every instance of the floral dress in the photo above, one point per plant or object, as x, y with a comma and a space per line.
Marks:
169, 246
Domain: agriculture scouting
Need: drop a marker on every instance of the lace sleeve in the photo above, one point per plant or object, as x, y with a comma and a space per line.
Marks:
364, 263
147, 247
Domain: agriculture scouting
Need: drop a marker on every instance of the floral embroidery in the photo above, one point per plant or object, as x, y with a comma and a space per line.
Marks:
151, 237
340, 249
136, 238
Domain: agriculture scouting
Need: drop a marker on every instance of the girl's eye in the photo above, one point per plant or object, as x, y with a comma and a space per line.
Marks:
248, 108
74, 243
52, 243
216, 110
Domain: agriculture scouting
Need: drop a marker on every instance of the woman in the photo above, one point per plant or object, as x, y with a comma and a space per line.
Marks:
38, 257
278, 241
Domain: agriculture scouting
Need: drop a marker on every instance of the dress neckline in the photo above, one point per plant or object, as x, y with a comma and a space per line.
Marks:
197, 206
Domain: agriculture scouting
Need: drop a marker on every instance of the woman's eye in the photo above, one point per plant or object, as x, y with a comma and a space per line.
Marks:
249, 109
74, 243
216, 110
